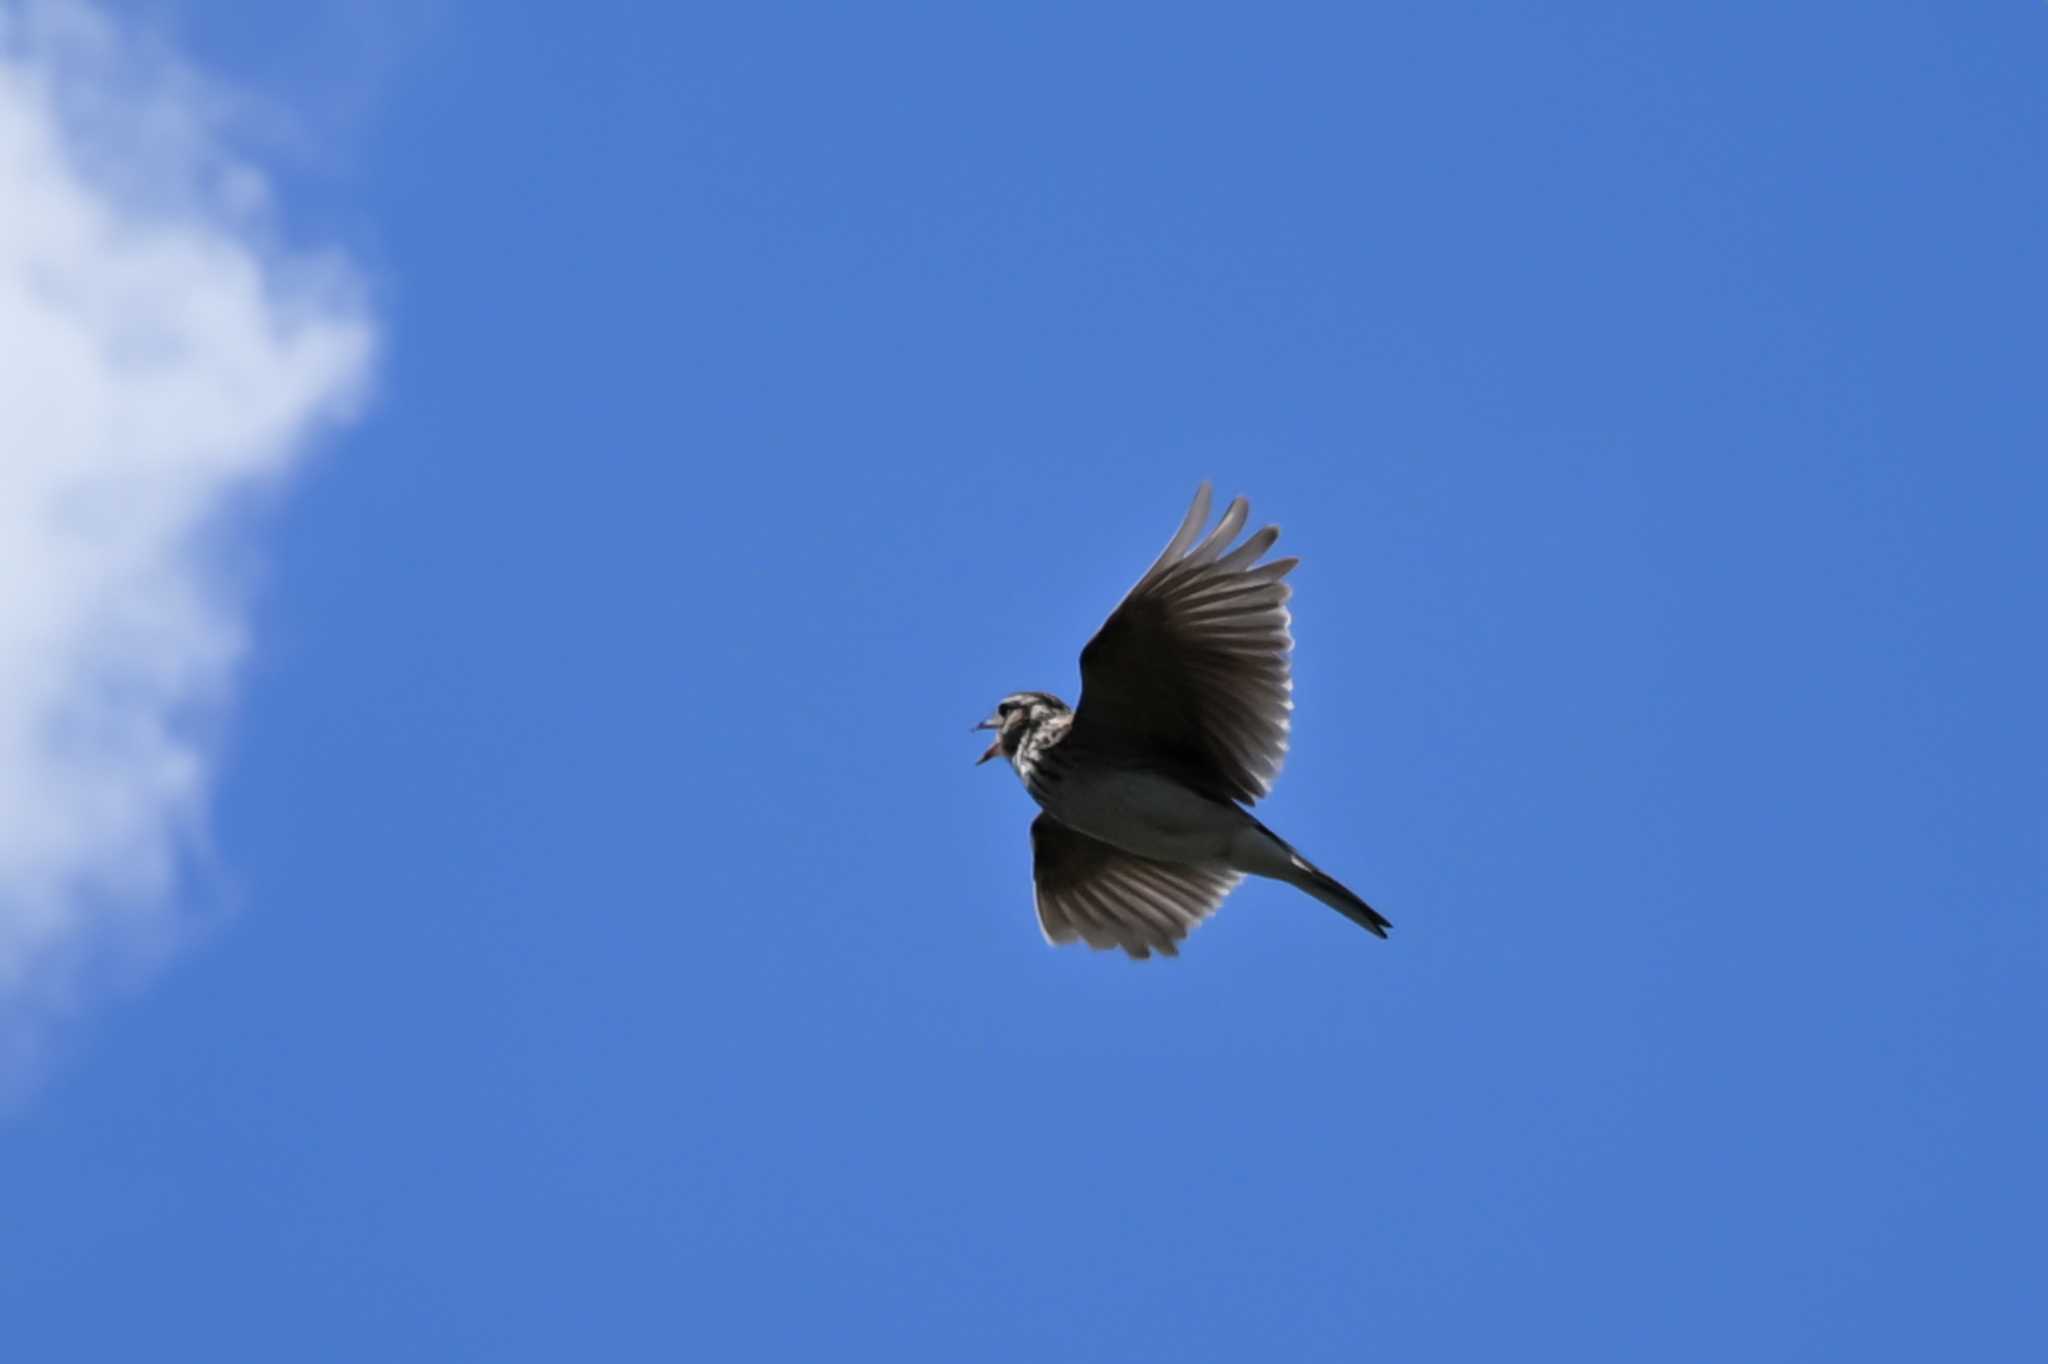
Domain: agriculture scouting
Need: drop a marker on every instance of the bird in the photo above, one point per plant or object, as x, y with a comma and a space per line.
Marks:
1143, 788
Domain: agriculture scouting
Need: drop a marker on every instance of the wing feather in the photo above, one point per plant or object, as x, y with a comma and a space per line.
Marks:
1191, 672
1108, 898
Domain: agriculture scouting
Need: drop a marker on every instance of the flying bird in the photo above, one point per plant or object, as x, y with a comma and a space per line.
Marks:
1183, 721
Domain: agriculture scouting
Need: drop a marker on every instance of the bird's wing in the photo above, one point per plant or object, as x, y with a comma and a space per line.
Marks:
1108, 898
1190, 670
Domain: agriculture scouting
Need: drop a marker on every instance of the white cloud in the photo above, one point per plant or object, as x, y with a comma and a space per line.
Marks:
160, 356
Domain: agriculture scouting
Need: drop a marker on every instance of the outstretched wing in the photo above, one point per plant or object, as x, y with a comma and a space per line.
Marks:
1108, 898
1191, 670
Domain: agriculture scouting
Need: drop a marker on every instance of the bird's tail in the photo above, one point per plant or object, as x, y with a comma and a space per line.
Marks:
1337, 896
1262, 852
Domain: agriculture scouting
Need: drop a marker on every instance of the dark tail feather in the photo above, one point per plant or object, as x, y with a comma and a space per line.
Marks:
1337, 896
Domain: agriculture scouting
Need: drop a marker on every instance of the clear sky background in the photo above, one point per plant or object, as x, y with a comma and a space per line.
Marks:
568, 922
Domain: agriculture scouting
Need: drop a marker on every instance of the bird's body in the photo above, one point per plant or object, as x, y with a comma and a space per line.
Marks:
1147, 814
1183, 716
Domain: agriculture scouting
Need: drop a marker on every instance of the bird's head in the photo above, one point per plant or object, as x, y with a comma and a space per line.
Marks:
1017, 715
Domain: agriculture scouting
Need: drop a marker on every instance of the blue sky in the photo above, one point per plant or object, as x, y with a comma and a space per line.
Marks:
588, 932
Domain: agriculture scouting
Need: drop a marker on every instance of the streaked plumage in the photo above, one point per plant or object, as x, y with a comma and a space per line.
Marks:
1183, 721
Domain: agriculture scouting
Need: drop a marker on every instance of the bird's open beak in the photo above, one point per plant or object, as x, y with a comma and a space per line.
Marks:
994, 749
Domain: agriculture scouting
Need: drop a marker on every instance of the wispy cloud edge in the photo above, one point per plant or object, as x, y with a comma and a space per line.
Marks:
166, 353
